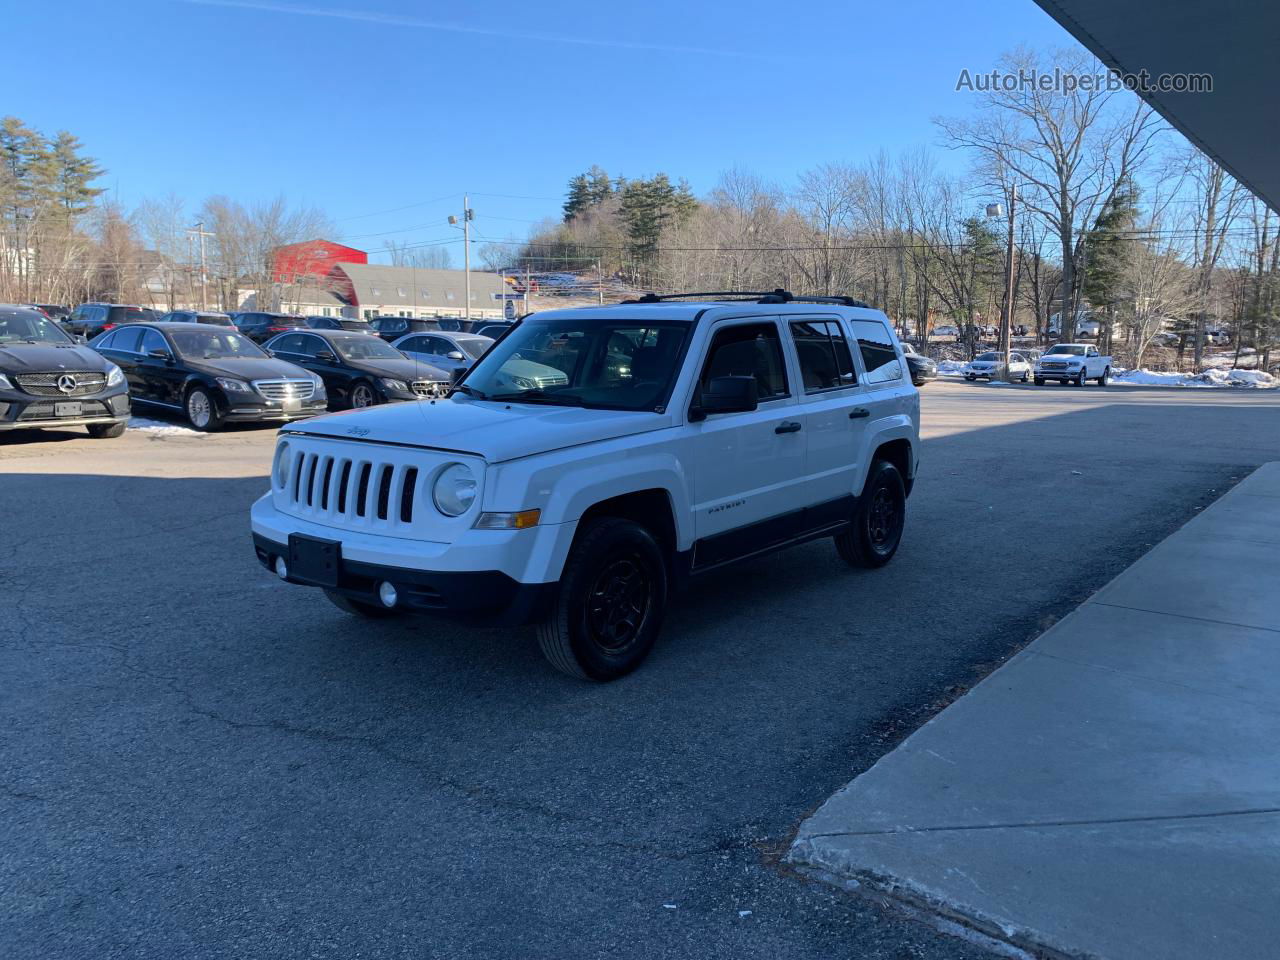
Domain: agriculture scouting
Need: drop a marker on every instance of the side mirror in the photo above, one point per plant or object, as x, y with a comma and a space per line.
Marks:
326, 357
726, 395
456, 374
455, 355
80, 338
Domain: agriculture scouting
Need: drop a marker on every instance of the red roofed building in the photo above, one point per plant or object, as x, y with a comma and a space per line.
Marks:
312, 259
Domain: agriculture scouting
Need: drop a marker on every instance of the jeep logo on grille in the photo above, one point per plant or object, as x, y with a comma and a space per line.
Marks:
67, 383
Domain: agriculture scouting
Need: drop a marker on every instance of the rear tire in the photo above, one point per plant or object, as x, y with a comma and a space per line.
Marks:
611, 601
371, 611
1106, 375
879, 520
106, 431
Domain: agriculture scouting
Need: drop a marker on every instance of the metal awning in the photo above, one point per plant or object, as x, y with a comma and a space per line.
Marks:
1234, 41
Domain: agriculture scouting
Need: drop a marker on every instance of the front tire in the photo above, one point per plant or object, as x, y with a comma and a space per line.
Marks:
1079, 381
879, 520
202, 411
1039, 381
106, 431
362, 395
611, 601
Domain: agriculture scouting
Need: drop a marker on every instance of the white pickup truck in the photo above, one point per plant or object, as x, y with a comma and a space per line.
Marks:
1072, 363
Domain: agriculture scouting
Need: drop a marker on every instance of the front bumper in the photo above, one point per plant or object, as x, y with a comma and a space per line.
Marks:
23, 411
1065, 376
483, 596
268, 412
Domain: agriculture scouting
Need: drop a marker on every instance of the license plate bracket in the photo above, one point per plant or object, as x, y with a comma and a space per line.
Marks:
315, 560
68, 409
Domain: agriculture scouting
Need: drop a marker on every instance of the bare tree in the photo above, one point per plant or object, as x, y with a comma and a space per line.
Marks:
1218, 201
1069, 150
408, 255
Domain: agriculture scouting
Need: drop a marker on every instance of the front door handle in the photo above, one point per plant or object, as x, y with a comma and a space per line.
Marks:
857, 413
787, 426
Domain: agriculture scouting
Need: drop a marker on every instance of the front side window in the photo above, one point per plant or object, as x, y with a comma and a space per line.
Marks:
583, 361
825, 361
748, 350
879, 356
151, 340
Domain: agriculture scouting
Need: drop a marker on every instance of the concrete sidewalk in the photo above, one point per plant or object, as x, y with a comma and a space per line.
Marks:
1114, 790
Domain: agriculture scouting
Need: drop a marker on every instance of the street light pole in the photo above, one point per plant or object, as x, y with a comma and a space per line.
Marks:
466, 253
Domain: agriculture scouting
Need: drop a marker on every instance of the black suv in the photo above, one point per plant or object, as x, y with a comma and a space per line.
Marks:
260, 326
317, 322
90, 319
48, 380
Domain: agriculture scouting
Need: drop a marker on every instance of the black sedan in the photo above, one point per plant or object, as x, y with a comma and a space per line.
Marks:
359, 370
214, 375
922, 369
49, 380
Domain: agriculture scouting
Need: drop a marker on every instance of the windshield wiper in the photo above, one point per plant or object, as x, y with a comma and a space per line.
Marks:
539, 395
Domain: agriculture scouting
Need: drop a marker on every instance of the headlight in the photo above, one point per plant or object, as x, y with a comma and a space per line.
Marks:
455, 490
398, 385
234, 386
6, 385
115, 376
281, 469
318, 393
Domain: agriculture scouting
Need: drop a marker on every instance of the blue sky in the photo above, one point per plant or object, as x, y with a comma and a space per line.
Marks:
364, 108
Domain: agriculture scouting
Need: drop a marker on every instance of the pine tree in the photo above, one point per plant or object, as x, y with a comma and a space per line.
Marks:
1108, 247
579, 197
72, 173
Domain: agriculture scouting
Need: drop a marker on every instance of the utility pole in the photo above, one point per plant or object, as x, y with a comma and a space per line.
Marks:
467, 215
200, 233
1006, 315
599, 283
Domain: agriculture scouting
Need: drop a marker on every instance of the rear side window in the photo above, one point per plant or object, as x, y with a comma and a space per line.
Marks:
127, 339
825, 361
129, 315
748, 350
878, 353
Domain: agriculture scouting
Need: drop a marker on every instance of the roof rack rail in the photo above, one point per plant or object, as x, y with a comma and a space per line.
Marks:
758, 296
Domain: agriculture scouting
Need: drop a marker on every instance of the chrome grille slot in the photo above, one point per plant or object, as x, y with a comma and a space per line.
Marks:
286, 389
46, 384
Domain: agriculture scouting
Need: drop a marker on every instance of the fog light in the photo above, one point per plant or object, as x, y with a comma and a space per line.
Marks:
387, 594
282, 568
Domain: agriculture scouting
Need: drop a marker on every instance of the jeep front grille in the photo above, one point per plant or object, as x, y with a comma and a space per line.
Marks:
291, 389
351, 488
47, 384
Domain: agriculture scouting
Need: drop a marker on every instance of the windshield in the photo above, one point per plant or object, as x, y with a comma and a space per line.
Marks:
217, 319
474, 347
30, 326
583, 362
365, 348
989, 357
213, 344
122, 315
1070, 349
358, 326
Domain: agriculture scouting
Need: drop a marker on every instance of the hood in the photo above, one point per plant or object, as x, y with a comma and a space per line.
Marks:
49, 358
250, 368
1060, 358
492, 430
403, 369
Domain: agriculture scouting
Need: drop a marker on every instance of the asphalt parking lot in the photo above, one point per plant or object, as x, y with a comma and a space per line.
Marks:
200, 761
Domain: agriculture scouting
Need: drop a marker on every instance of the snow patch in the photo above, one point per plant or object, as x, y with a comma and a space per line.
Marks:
162, 428
1213, 377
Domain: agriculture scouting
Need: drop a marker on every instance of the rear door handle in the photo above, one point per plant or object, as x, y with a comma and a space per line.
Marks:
787, 426
857, 413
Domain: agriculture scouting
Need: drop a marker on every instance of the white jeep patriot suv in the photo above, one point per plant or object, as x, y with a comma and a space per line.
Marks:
595, 459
